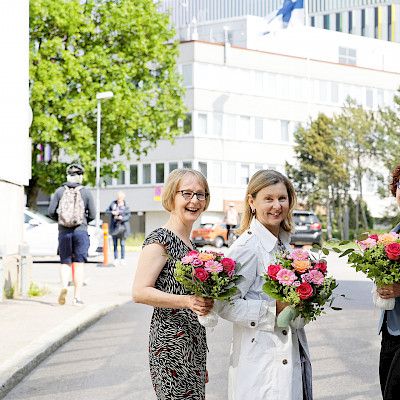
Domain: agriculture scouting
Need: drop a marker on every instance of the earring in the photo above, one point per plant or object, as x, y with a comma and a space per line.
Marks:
253, 211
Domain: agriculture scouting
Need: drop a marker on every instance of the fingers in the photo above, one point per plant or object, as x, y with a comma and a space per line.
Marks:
201, 305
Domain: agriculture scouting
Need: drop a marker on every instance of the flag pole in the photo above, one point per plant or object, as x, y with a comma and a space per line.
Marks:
306, 13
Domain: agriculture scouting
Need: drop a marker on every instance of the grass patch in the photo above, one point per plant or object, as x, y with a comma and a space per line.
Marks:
134, 242
36, 291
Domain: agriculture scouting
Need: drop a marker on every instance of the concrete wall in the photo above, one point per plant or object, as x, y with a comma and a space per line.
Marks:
15, 119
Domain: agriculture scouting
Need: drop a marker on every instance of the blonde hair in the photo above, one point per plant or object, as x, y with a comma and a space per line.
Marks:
260, 180
172, 184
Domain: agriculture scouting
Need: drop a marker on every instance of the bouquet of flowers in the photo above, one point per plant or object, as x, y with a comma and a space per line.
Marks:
208, 274
378, 256
300, 280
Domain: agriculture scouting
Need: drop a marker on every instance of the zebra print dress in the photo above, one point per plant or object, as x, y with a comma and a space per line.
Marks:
177, 341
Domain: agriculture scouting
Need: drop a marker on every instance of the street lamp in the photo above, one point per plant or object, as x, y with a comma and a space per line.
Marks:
99, 97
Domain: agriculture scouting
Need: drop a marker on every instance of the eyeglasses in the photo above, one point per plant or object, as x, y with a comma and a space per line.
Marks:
188, 195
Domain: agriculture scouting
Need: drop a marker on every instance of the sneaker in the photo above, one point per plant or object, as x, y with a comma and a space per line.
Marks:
62, 296
77, 302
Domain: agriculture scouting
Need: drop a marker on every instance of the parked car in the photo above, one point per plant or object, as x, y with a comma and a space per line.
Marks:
41, 234
214, 234
308, 229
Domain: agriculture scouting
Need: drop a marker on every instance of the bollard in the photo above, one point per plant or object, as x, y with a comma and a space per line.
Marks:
23, 270
105, 247
2, 278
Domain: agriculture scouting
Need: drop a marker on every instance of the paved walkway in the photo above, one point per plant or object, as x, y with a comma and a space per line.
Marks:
33, 328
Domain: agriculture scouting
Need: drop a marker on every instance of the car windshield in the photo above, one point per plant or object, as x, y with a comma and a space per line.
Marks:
303, 219
29, 214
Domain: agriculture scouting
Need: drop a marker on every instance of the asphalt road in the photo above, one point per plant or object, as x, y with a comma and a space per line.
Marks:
109, 360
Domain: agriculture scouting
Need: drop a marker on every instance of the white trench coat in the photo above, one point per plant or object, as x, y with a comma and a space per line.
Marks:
265, 360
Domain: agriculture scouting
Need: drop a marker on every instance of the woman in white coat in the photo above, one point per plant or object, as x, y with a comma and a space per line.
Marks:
267, 362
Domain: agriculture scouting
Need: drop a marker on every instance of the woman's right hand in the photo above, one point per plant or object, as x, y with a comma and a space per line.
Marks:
200, 305
280, 305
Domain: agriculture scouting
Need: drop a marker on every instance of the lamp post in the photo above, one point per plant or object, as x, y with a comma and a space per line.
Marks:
99, 97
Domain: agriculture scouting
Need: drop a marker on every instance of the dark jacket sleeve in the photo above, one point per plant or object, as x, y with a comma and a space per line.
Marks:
127, 214
52, 210
91, 207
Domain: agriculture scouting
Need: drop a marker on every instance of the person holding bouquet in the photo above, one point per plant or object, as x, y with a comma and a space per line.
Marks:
177, 341
267, 362
389, 362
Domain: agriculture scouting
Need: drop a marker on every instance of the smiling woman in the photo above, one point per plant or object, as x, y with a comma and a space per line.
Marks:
177, 342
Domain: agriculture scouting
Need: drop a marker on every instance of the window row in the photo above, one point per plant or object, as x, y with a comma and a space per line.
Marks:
217, 172
242, 127
269, 84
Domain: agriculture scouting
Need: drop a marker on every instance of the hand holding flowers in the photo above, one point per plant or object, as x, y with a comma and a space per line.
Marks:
302, 282
378, 257
208, 274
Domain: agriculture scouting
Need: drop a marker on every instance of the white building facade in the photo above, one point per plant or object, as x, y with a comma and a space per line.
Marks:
245, 102
379, 19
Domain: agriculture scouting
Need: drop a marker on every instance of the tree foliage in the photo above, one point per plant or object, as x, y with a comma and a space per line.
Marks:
80, 48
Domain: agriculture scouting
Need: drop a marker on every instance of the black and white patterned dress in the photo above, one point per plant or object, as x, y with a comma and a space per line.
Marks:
177, 341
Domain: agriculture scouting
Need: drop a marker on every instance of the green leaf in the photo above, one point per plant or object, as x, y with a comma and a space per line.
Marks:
344, 242
363, 236
325, 251
346, 252
336, 250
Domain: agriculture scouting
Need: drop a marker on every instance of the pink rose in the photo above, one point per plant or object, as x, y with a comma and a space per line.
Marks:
322, 266
304, 291
393, 251
229, 266
192, 253
201, 274
374, 237
196, 262
273, 270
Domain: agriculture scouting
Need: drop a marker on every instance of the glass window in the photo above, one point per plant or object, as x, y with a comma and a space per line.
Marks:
259, 81
172, 166
231, 173
363, 22
323, 90
203, 168
187, 72
133, 178
202, 124
380, 98
244, 174
187, 123
230, 126
217, 128
217, 172
187, 164
285, 131
160, 173
270, 84
334, 92
369, 98
338, 20
376, 17
312, 21
244, 127
350, 21
259, 129
121, 178
389, 23
326, 23
347, 56
146, 173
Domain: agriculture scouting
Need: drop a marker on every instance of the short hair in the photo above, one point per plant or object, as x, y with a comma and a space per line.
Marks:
75, 169
172, 184
260, 180
395, 180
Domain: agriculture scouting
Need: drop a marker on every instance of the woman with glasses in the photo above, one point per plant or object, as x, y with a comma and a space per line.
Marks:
389, 362
177, 341
267, 362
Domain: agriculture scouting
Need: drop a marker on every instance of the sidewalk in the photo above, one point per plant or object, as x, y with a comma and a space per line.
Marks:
33, 328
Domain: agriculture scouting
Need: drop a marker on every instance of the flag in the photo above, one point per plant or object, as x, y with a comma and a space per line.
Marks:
290, 14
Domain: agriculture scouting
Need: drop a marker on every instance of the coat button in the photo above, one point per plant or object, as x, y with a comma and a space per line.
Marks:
249, 232
252, 324
284, 332
284, 362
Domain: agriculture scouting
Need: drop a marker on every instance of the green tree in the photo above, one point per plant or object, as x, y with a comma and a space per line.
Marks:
357, 129
320, 173
79, 48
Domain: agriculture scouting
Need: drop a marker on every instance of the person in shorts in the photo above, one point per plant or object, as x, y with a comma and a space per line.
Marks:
73, 239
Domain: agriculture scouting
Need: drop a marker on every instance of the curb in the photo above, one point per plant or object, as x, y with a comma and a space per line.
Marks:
24, 361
